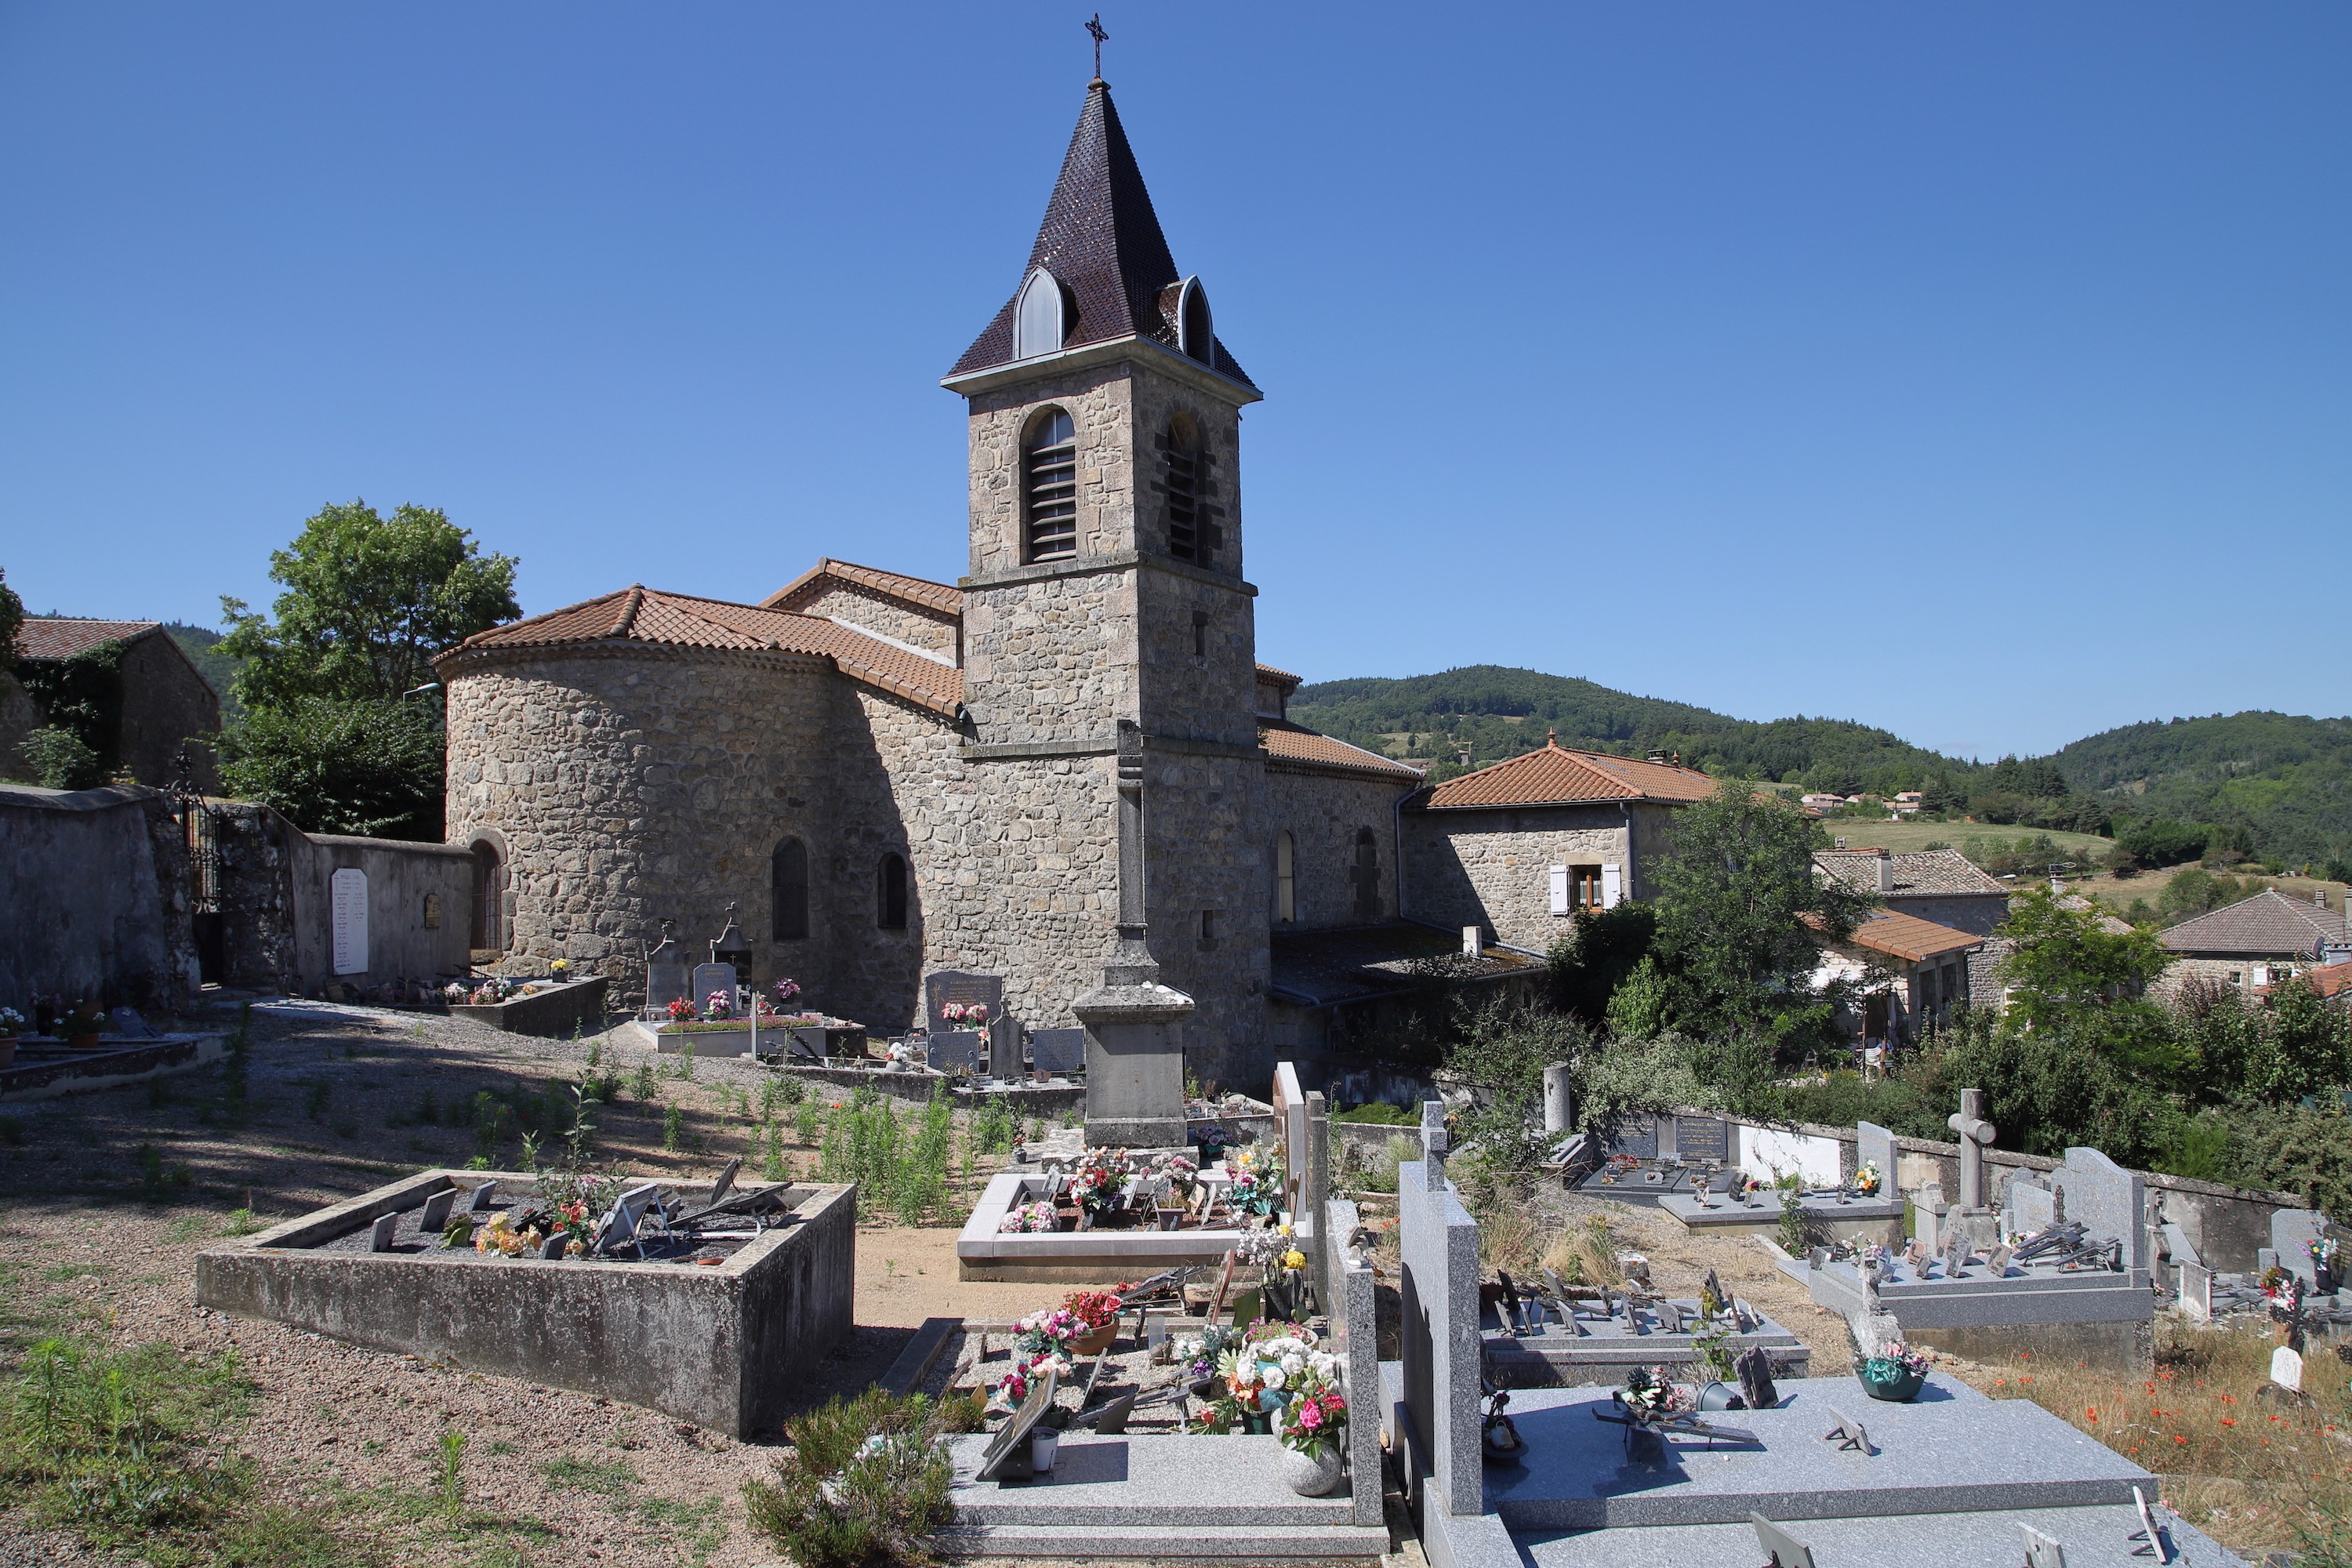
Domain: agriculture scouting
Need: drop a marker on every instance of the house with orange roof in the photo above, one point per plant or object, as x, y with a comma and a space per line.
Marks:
1518, 848
1898, 976
1067, 756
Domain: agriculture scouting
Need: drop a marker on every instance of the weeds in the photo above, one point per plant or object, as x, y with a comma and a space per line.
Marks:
991, 1129
581, 1137
158, 1182
904, 1166
840, 1500
642, 1087
673, 1126
450, 1476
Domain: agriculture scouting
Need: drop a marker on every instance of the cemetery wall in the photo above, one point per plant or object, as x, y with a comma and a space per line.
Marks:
93, 898
417, 909
1492, 867
1324, 811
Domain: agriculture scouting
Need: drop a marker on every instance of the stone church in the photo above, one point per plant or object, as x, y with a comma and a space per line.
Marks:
889, 776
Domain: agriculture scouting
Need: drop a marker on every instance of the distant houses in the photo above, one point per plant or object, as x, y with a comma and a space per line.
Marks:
2255, 942
1931, 949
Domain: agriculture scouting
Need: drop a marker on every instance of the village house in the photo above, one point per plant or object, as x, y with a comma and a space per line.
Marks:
2255, 942
1940, 886
149, 696
1902, 976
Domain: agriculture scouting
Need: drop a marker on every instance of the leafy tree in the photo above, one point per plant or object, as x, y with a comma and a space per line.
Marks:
12, 621
1638, 1009
370, 768
1739, 908
1501, 1053
1600, 951
369, 604
2305, 1045
2072, 979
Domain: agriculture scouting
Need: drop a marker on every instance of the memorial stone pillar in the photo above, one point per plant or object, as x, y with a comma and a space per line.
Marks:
1135, 1026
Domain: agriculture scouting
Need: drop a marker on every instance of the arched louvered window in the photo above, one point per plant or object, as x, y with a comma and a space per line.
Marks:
890, 893
1181, 481
1049, 472
1285, 878
788, 890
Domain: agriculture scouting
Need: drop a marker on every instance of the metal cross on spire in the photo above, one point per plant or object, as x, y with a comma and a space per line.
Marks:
1095, 27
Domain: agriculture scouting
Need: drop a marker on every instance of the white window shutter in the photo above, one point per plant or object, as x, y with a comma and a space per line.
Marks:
1560, 889
1612, 886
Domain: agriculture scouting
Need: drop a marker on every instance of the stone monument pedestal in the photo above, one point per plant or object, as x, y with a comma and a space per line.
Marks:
1134, 1055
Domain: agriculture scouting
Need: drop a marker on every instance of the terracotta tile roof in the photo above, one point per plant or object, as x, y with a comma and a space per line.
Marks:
1288, 742
1909, 937
2110, 923
645, 615
2332, 980
47, 636
2268, 925
1321, 968
1266, 672
1916, 871
1555, 775
920, 591
1102, 242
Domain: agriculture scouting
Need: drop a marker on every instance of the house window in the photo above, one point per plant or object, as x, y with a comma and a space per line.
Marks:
1181, 481
890, 893
490, 899
1584, 888
1285, 878
1368, 875
788, 890
1050, 478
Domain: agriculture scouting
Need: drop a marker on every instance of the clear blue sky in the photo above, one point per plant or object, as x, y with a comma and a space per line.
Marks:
1984, 371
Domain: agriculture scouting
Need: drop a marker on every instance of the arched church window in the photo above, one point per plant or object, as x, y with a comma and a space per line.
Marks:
1050, 480
1368, 875
490, 898
788, 890
1182, 479
1195, 336
1285, 876
1039, 319
890, 892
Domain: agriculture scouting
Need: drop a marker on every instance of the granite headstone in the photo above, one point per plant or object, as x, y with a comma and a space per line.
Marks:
714, 979
1057, 1051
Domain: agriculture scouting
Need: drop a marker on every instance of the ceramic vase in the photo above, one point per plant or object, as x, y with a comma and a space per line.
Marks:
1097, 1341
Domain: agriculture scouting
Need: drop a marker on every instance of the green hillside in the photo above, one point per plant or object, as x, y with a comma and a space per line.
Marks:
2283, 784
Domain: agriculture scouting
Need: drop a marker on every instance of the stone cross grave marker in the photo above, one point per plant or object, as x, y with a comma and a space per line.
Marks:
668, 980
954, 1050
1439, 1275
1057, 1051
714, 977
954, 986
1975, 1133
2286, 1369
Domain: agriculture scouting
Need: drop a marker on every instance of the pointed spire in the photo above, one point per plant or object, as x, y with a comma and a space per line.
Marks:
1102, 243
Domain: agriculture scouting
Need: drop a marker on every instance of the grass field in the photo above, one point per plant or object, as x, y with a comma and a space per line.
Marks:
1860, 832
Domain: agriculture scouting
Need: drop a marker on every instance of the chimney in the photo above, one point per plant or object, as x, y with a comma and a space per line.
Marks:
1657, 756
1886, 870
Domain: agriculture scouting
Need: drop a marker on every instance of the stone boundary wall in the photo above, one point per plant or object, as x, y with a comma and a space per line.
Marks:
94, 898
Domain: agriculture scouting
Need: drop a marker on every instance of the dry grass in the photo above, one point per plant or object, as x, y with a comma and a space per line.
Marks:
1586, 1254
2257, 1476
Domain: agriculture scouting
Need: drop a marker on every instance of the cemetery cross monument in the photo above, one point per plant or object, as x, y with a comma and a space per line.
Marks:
1135, 1026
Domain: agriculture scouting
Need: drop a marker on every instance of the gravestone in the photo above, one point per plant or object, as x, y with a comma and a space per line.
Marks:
348, 896
1637, 1138
2107, 1199
1874, 1145
1290, 1121
435, 1218
950, 985
1703, 1140
379, 1234
709, 978
1956, 1254
480, 1202
725, 1183
128, 1024
1438, 1278
2286, 1369
1975, 1133
1057, 1051
2291, 1231
1004, 1046
2031, 1207
2042, 1551
1135, 1045
955, 1050
805, 1042
2196, 1291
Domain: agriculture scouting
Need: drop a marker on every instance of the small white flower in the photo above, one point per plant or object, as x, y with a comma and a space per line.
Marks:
1272, 1376
1292, 1365
1325, 1363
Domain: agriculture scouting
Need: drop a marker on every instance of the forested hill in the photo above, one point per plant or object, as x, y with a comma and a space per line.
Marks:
2286, 781
1492, 712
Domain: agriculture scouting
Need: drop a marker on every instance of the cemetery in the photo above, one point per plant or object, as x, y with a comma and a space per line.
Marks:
62, 1060
704, 1303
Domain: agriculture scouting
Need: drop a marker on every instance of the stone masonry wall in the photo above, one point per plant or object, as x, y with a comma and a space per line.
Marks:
1977, 913
1097, 402
1051, 658
1200, 697
890, 617
1323, 812
1493, 867
1206, 849
1155, 401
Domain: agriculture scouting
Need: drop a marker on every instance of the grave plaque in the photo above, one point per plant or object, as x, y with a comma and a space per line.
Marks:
1703, 1138
964, 990
667, 980
1638, 1139
726, 1182
805, 1042
954, 1050
713, 977
435, 1218
1006, 1458
380, 1235
480, 1202
1754, 1369
348, 894
2041, 1550
2286, 1369
1057, 1051
1782, 1550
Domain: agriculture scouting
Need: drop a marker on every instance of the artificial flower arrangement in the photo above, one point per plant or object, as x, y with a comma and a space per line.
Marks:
560, 969
1048, 1332
1317, 1415
503, 1236
1014, 1386
1263, 1247
1894, 1359
1027, 1218
2323, 1251
717, 1005
1867, 1178
786, 990
964, 1012
1098, 1310
1100, 1177
1249, 1193
1183, 1172
2280, 1285
1198, 1353
12, 1023
1652, 1391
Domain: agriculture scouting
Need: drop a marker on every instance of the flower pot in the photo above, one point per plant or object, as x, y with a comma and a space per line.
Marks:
1311, 1475
1887, 1380
1043, 1443
1097, 1341
82, 1042
1719, 1397
2324, 1279
1169, 1218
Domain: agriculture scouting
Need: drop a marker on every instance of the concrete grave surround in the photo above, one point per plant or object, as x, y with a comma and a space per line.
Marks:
727, 1347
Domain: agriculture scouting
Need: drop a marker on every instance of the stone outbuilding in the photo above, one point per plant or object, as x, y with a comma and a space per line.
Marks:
2255, 942
148, 695
1904, 976
1939, 886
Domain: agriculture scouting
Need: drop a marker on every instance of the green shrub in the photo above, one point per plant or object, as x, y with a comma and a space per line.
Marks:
837, 1502
1379, 1114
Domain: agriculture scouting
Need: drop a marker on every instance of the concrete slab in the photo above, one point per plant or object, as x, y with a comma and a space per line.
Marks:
1171, 1482
1596, 1350
49, 1070
1084, 1257
1952, 1451
2093, 1538
1856, 1219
